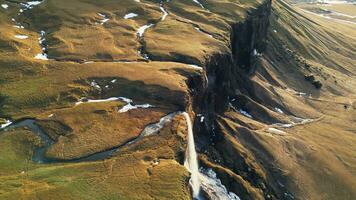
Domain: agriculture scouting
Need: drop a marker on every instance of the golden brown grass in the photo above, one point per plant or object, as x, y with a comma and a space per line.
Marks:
151, 172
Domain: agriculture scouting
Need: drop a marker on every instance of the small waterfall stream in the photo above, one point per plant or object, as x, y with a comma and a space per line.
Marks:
191, 160
203, 179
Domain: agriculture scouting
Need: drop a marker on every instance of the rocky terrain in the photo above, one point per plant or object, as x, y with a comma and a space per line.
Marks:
177, 99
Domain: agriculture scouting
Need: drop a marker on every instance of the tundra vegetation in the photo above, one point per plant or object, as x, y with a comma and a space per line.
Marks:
92, 95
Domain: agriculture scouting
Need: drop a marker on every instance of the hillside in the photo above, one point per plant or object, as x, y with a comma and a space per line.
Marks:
96, 99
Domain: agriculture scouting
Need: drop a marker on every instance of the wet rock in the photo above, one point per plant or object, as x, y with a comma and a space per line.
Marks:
310, 77
317, 84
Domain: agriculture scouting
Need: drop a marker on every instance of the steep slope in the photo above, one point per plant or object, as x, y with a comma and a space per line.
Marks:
289, 132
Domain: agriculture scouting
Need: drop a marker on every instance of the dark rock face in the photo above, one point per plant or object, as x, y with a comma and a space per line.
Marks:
248, 38
227, 75
317, 84
311, 78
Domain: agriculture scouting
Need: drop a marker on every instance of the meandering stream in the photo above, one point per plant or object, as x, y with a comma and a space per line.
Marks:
39, 153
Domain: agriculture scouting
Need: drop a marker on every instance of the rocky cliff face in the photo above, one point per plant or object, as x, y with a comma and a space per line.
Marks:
226, 72
227, 75
258, 95
248, 38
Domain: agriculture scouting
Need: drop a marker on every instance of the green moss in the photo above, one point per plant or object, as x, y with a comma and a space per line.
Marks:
16, 149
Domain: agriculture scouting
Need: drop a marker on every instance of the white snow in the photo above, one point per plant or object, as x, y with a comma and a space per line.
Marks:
301, 93
256, 53
105, 18
196, 67
279, 110
130, 15
335, 2
98, 100
129, 103
34, 3
6, 124
299, 120
165, 13
284, 125
154, 128
200, 4
245, 113
17, 26
5, 6
41, 56
30, 4
142, 29
21, 37
95, 84
276, 131
129, 106
201, 31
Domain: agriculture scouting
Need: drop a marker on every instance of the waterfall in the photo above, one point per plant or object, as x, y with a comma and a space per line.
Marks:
206, 179
191, 161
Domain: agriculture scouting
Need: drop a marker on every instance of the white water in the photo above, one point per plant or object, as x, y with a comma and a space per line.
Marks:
205, 180
191, 161
213, 187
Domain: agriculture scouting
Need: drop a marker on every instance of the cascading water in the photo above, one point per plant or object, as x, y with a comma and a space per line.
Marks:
205, 180
191, 160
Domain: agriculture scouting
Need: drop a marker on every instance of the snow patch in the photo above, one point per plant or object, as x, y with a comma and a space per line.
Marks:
30, 4
141, 31
204, 32
105, 18
165, 13
276, 131
84, 100
245, 113
130, 15
6, 124
154, 128
5, 6
279, 110
19, 26
200, 4
129, 107
41, 56
95, 85
21, 37
196, 67
256, 53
